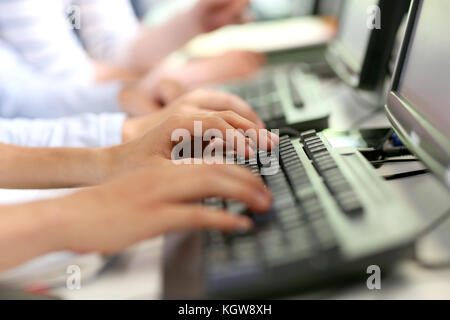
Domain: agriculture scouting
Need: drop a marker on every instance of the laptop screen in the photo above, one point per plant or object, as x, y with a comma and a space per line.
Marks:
425, 79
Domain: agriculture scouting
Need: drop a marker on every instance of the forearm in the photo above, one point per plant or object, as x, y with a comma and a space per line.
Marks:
41, 168
28, 231
153, 44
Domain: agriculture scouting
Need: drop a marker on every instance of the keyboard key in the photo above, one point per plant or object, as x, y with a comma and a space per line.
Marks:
308, 134
294, 230
297, 100
236, 207
215, 203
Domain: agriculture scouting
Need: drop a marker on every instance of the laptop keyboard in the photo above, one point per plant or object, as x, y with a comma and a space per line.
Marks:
296, 229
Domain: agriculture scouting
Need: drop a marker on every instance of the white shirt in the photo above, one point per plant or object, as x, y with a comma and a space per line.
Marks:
26, 94
43, 32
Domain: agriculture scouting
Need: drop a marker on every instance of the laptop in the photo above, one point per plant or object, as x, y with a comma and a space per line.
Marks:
333, 216
291, 94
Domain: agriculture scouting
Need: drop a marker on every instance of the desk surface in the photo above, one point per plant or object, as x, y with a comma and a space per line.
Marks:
136, 274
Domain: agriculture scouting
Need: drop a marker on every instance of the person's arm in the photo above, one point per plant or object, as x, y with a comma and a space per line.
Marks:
111, 33
125, 211
26, 93
29, 94
151, 44
37, 168
47, 168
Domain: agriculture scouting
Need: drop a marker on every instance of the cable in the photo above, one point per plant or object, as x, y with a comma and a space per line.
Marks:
381, 162
395, 160
405, 174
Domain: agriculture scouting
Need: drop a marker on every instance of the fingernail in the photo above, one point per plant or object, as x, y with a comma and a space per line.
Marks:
244, 224
262, 199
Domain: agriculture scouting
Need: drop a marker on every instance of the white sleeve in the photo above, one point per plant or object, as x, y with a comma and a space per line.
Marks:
44, 36
107, 28
25, 93
88, 130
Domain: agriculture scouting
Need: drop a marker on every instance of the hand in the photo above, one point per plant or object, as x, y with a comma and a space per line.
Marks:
147, 97
157, 145
153, 202
213, 14
231, 65
197, 101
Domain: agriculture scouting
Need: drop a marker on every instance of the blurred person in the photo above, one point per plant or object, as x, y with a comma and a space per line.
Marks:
113, 43
132, 208
29, 94
42, 167
77, 222
125, 170
46, 112
34, 112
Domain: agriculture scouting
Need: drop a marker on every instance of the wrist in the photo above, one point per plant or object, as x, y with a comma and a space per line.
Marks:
133, 100
52, 220
34, 228
58, 220
129, 130
106, 160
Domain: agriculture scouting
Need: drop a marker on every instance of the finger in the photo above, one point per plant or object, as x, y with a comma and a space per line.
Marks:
210, 123
219, 101
224, 125
235, 9
170, 90
227, 182
246, 17
187, 217
239, 172
265, 139
215, 151
214, 4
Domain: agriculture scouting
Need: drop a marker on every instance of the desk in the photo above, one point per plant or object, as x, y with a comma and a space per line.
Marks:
136, 274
